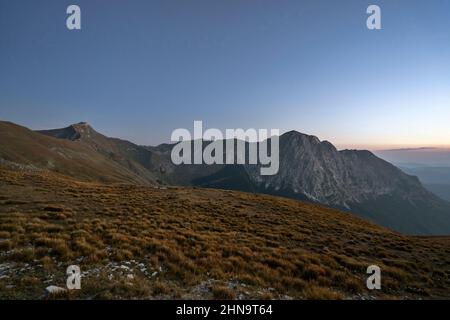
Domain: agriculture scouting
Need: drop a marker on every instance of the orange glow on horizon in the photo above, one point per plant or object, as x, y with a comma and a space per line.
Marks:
381, 147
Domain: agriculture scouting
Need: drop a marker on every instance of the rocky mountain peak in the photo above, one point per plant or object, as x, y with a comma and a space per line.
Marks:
76, 131
83, 129
300, 137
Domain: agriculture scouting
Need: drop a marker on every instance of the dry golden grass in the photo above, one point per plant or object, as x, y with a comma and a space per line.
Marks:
197, 243
222, 293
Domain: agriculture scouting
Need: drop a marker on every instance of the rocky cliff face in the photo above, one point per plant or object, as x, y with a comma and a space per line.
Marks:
321, 173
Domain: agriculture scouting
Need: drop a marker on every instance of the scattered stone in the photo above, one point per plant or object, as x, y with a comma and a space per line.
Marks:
55, 290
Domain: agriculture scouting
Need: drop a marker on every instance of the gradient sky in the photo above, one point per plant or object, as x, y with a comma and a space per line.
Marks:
139, 69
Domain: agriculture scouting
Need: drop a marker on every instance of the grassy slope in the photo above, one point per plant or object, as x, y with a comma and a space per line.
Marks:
198, 243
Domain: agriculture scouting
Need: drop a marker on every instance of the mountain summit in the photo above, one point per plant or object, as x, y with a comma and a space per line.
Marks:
72, 132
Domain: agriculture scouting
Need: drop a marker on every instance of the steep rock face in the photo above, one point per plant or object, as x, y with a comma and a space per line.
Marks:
308, 167
321, 173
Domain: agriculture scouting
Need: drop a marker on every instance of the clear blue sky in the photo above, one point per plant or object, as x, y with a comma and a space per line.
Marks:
139, 69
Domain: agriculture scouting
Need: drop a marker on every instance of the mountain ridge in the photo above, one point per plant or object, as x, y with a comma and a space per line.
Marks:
353, 180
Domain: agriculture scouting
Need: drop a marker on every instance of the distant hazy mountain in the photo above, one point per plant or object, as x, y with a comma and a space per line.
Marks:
441, 190
413, 157
312, 170
429, 175
430, 165
435, 179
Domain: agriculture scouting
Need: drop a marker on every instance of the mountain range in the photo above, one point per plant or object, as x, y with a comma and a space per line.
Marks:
352, 180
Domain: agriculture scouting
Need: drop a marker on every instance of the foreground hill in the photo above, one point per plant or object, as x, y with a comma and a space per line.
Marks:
156, 242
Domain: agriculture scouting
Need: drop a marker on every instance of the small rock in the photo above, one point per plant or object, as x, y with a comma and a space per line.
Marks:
241, 296
130, 276
154, 274
54, 290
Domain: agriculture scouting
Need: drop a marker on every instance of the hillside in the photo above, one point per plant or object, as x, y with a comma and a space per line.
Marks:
151, 242
23, 148
142, 162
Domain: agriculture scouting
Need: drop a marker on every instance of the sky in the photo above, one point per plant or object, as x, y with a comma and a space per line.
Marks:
140, 69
